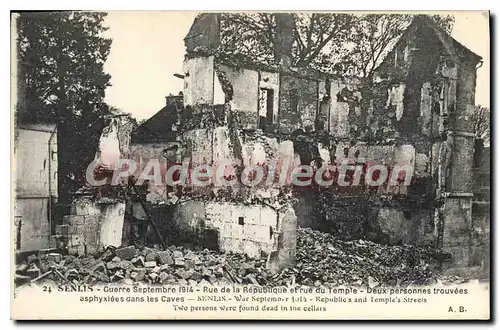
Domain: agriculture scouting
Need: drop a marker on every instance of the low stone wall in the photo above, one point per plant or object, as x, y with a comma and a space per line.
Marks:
92, 226
255, 230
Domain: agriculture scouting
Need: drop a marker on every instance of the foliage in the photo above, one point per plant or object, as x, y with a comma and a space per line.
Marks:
482, 122
333, 43
61, 59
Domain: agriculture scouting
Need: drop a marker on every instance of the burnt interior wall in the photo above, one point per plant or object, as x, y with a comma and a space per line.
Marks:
245, 98
298, 103
412, 101
389, 213
397, 221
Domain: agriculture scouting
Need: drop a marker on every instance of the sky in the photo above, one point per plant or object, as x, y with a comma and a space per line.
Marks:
148, 48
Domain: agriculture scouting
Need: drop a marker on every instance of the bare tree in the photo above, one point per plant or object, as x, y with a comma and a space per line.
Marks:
330, 42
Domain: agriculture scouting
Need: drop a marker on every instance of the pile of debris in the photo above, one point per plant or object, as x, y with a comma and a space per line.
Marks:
321, 259
175, 265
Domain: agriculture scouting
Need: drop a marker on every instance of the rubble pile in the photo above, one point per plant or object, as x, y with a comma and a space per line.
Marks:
175, 265
321, 259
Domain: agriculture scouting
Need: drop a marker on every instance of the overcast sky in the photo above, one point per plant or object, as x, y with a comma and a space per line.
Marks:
148, 48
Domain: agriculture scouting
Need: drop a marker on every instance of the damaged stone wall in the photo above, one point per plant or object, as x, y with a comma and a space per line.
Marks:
92, 226
245, 99
198, 80
242, 88
338, 117
396, 118
142, 153
414, 111
270, 81
115, 140
256, 230
299, 99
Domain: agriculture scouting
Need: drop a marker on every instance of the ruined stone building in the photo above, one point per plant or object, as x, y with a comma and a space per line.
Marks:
416, 109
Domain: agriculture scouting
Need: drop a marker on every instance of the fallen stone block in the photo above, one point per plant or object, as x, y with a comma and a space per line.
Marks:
138, 261
219, 272
197, 261
102, 277
97, 266
150, 264
126, 253
178, 254
133, 275
141, 274
146, 250
33, 272
211, 260
151, 256
164, 257
196, 276
248, 266
189, 263
163, 277
179, 262
212, 279
252, 279
107, 255
126, 264
153, 277
179, 272
113, 265
187, 274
